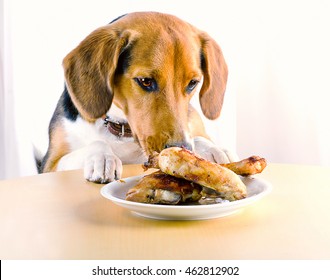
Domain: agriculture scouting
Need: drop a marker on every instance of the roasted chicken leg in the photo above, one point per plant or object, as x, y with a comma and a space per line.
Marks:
161, 188
246, 167
182, 163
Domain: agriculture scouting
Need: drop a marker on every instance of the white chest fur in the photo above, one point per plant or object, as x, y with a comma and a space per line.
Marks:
81, 133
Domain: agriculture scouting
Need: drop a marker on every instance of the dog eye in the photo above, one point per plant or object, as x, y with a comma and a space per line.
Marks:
192, 84
148, 84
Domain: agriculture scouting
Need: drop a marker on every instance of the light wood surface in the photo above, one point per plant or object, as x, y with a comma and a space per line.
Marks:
61, 216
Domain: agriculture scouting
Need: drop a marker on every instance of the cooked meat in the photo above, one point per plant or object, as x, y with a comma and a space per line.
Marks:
249, 166
161, 188
182, 163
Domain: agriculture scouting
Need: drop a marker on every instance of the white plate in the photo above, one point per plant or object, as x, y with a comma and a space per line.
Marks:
116, 192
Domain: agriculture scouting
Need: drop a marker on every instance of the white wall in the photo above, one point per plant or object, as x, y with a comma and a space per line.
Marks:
277, 53
283, 81
8, 152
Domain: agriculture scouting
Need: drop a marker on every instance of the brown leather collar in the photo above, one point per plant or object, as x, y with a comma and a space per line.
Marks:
120, 129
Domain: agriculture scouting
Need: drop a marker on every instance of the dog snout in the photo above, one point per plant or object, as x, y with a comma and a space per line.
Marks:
183, 144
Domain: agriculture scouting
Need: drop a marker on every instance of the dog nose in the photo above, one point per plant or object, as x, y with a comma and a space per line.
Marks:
184, 144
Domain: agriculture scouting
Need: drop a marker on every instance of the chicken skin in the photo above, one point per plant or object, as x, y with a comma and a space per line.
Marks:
161, 188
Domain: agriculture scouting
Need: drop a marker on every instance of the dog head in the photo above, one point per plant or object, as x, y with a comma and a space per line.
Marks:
149, 65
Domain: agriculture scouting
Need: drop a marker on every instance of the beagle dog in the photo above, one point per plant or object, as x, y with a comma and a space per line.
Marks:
128, 87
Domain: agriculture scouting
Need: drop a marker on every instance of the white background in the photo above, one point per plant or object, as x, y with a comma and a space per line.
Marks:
278, 54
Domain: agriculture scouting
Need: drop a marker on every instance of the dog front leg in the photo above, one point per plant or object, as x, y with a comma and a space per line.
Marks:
97, 159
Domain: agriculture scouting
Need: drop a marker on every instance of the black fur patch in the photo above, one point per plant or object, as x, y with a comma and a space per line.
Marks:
70, 111
124, 61
203, 61
117, 18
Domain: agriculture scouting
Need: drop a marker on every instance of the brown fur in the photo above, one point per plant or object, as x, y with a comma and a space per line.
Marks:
59, 149
162, 47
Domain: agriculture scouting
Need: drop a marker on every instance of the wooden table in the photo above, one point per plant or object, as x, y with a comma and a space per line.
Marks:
61, 216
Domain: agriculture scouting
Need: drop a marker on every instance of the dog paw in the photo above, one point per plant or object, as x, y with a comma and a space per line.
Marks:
102, 166
209, 151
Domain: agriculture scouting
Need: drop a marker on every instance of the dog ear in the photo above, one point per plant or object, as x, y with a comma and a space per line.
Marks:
89, 70
215, 77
